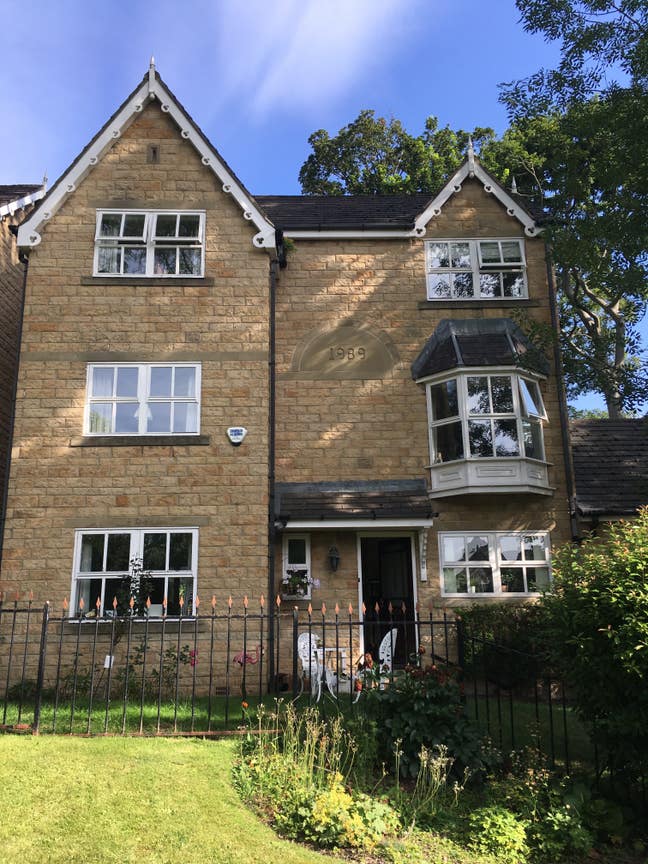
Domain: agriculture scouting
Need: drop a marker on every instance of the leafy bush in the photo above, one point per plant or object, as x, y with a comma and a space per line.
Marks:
559, 836
497, 831
422, 708
596, 628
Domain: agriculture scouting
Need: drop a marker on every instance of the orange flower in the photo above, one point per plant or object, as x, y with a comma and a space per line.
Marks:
244, 705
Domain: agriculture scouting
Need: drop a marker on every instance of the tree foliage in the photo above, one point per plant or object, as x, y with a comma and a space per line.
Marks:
373, 155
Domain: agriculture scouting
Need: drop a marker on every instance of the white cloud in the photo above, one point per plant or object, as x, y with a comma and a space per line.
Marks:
293, 55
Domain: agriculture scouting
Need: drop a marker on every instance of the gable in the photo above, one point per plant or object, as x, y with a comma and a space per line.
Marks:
151, 90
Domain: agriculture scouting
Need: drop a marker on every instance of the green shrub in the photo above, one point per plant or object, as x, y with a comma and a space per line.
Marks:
422, 708
559, 836
496, 831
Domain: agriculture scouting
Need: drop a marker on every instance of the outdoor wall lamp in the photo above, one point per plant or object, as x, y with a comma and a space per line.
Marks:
334, 558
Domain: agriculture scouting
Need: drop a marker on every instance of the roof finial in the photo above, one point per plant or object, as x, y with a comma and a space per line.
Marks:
513, 185
151, 77
44, 183
471, 157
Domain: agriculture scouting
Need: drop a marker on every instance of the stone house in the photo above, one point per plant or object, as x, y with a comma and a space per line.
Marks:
333, 399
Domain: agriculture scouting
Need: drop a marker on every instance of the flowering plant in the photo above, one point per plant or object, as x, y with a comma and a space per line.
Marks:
296, 582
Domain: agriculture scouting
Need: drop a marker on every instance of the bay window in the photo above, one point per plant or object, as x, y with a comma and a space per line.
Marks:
156, 564
494, 563
144, 243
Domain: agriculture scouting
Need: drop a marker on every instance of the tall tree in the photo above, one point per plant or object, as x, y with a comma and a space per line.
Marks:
374, 155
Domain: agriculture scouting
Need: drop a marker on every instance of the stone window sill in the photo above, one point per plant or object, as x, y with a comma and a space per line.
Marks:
158, 281
141, 441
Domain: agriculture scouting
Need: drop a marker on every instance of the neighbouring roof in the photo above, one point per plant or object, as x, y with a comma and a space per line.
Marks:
610, 466
15, 196
477, 342
359, 500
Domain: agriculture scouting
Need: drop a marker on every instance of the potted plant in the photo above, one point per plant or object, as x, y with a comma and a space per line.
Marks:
296, 582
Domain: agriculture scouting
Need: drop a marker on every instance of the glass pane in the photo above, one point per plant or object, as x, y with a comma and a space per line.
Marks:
134, 225
87, 590
118, 554
490, 253
510, 548
101, 418
180, 551
134, 259
102, 381
455, 580
126, 422
155, 551
513, 284
92, 549
502, 393
462, 285
481, 580
159, 417
296, 550
165, 261
189, 226
161, 378
490, 285
532, 431
454, 549
447, 442
511, 251
531, 400
108, 260
185, 381
538, 578
444, 401
513, 579
117, 589
190, 261
438, 255
110, 225
185, 417
181, 588
127, 381
477, 548
478, 402
438, 286
460, 255
480, 437
165, 225
534, 548
506, 439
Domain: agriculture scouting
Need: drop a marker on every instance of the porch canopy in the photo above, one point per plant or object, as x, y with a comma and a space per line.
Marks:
353, 504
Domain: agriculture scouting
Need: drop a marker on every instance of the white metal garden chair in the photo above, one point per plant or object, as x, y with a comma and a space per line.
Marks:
307, 651
386, 656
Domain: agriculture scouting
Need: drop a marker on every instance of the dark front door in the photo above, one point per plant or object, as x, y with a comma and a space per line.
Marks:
387, 579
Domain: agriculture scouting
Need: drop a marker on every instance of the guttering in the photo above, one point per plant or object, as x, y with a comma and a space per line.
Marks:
352, 524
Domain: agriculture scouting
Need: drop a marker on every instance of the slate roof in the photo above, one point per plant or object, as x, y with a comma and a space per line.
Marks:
348, 212
395, 499
17, 190
610, 465
314, 212
477, 342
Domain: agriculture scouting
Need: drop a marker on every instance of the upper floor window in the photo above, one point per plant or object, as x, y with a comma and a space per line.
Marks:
163, 243
143, 399
155, 564
475, 416
475, 269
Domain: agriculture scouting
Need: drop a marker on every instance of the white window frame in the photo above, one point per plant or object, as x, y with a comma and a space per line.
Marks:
306, 564
496, 562
149, 243
136, 551
521, 413
477, 267
143, 399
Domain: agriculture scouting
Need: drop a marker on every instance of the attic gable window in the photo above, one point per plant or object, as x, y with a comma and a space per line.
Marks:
475, 269
145, 243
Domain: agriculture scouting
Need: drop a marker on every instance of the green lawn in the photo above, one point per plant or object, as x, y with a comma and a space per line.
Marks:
121, 800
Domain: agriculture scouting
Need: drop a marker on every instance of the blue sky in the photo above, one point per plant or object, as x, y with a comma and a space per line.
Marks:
257, 77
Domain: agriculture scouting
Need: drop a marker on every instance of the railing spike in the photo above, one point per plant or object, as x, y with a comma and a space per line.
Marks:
31, 596
377, 608
131, 602
262, 601
310, 609
229, 601
350, 609
213, 601
278, 601
364, 609
81, 604
197, 603
98, 604
148, 603
65, 604
323, 609
337, 609
181, 601
245, 601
